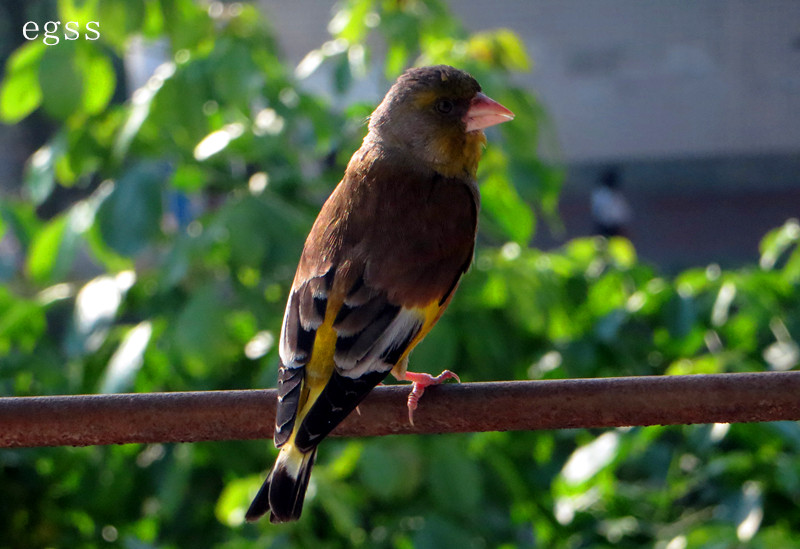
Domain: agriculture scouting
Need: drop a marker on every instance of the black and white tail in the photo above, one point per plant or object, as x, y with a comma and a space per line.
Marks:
283, 492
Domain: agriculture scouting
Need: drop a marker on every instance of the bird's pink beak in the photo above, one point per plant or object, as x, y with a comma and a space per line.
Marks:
484, 112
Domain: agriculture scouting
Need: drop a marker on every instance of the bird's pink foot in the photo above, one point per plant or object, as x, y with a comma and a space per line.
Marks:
422, 380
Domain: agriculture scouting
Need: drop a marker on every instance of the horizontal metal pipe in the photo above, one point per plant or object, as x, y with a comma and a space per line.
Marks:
85, 420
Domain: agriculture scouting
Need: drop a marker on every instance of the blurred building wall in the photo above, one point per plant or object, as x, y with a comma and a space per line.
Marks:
638, 78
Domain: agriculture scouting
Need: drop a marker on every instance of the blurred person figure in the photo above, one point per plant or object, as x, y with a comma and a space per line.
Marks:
609, 207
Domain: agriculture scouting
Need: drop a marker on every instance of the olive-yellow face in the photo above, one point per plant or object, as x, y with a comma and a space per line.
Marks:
427, 112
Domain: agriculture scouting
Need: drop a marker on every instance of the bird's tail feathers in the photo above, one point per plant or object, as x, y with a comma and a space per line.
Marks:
283, 493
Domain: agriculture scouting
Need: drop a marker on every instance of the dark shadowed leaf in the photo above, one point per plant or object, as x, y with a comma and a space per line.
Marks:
130, 217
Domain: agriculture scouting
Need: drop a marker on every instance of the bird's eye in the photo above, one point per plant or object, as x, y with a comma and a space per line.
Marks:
444, 106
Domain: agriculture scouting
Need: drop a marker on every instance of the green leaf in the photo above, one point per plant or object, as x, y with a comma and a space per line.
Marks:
53, 250
39, 177
119, 18
777, 241
234, 499
78, 10
188, 177
236, 78
438, 350
791, 270
129, 219
200, 330
126, 360
98, 73
442, 531
501, 202
21, 93
249, 235
390, 469
455, 479
622, 252
606, 294
22, 322
137, 114
680, 315
61, 81
501, 47
396, 60
512, 49
108, 258
153, 23
22, 221
348, 22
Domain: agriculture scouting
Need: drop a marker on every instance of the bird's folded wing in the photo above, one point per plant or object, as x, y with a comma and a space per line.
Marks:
344, 341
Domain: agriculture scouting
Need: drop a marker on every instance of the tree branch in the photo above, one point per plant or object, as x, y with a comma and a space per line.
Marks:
470, 407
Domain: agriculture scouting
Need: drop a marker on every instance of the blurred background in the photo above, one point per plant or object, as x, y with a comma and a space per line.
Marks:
694, 106
639, 217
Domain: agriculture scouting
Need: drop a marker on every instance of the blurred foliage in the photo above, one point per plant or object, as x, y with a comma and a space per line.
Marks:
174, 222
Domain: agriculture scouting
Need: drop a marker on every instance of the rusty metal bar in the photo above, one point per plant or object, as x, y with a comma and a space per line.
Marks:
470, 407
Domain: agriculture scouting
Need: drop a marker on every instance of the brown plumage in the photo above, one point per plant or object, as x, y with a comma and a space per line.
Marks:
379, 267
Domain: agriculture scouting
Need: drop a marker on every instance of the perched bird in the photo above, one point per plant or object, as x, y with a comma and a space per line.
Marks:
379, 267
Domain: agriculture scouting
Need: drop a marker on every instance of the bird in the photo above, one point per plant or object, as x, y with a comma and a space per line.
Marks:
379, 267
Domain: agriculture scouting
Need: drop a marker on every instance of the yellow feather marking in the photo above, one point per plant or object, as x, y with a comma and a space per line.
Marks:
432, 312
318, 370
424, 99
467, 152
452, 155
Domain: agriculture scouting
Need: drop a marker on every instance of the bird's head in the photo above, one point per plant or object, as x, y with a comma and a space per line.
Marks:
437, 115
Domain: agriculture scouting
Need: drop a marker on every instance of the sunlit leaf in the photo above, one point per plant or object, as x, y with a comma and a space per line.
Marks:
96, 307
777, 241
78, 10
99, 72
500, 47
500, 200
513, 50
622, 252
53, 250
588, 460
188, 177
126, 360
349, 21
20, 92
232, 503
750, 511
138, 112
396, 60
